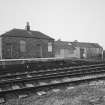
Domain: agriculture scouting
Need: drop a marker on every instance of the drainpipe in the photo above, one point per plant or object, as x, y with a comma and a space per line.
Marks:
102, 54
1, 48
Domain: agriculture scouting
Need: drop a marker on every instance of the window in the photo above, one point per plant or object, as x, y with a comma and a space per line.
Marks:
97, 50
22, 46
49, 47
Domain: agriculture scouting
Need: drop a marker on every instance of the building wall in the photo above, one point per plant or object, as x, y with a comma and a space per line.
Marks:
91, 53
30, 47
94, 52
0, 48
77, 52
67, 53
88, 53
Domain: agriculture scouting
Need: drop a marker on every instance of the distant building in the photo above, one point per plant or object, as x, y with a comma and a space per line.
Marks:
64, 49
25, 43
78, 50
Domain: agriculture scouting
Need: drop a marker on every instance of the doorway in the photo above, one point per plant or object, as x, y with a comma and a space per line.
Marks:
81, 53
39, 51
9, 51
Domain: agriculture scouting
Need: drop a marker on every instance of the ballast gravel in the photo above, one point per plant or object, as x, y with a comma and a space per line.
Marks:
80, 95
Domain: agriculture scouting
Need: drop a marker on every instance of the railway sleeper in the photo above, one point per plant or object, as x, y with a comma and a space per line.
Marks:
46, 84
53, 87
45, 71
53, 76
22, 68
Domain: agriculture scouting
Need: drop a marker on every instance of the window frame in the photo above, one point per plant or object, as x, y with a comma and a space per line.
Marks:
22, 46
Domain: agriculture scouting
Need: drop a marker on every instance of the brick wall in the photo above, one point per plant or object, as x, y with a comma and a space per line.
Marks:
34, 47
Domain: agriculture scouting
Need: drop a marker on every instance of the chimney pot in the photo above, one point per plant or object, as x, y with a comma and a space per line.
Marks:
27, 26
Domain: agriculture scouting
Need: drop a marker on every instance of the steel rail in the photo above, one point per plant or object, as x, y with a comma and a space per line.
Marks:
98, 66
55, 75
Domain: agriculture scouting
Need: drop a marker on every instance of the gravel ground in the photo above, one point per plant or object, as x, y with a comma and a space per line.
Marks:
80, 95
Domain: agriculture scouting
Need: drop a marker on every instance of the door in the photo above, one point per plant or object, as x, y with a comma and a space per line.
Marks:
62, 53
39, 51
81, 53
9, 51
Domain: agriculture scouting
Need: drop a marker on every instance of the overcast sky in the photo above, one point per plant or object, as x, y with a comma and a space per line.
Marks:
68, 20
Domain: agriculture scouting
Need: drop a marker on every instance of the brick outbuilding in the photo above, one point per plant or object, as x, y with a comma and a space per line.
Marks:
83, 50
25, 43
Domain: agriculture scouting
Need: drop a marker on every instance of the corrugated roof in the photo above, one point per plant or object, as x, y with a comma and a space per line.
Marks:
86, 45
25, 33
64, 45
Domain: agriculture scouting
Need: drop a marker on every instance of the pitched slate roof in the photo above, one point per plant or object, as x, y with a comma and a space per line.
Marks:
86, 45
72, 45
63, 45
24, 33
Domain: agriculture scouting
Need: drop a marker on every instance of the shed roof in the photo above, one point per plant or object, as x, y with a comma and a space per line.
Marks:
24, 33
72, 45
64, 45
86, 45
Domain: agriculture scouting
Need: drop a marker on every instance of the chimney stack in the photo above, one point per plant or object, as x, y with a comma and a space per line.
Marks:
27, 26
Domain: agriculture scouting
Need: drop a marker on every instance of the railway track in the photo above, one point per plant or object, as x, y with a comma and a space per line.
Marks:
28, 66
48, 78
53, 73
38, 79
